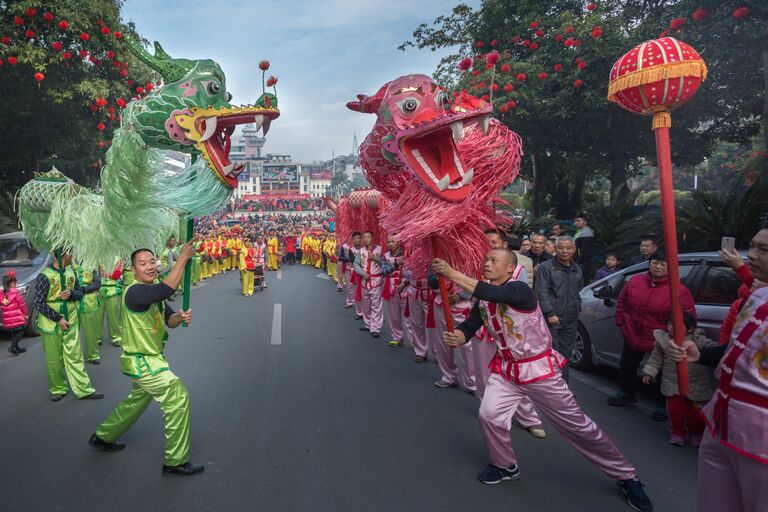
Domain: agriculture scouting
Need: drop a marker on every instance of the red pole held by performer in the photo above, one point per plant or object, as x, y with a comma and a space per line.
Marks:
443, 288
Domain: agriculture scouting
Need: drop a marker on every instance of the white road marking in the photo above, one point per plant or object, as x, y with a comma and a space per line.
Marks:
276, 325
279, 273
595, 384
324, 276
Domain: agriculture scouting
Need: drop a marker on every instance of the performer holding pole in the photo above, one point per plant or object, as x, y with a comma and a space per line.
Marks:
145, 318
526, 365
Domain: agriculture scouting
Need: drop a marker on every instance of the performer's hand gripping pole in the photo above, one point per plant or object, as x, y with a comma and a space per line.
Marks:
438, 253
188, 233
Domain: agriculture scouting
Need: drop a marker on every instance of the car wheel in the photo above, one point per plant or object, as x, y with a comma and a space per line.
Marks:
581, 358
32, 325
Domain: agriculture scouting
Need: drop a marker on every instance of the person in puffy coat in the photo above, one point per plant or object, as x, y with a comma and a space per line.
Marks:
14, 311
644, 305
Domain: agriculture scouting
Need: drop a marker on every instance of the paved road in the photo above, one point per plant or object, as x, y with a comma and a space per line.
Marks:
311, 416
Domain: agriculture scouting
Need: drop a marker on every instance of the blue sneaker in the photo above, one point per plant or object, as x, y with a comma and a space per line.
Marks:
493, 475
634, 490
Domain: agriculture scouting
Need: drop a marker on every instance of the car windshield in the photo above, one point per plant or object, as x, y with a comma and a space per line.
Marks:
16, 253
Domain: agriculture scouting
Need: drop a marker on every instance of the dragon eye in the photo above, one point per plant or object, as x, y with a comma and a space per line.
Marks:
409, 105
442, 99
229, 96
212, 88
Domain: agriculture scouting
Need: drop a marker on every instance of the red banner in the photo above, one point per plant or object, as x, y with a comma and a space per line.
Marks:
267, 197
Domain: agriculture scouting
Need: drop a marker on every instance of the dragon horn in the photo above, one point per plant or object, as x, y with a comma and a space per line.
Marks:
171, 69
368, 104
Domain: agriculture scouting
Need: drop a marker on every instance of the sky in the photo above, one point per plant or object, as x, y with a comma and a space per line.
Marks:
323, 53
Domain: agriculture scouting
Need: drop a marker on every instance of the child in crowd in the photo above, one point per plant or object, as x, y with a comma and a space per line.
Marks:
14, 311
611, 266
681, 409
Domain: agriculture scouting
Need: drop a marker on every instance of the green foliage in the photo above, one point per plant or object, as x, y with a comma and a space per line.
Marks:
340, 185
50, 123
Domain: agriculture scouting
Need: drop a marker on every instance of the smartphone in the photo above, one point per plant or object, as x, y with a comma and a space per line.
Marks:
728, 243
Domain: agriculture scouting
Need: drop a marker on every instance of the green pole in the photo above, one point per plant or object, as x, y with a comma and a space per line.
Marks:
188, 232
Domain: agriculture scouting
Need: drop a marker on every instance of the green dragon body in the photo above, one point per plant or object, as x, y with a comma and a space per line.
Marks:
140, 203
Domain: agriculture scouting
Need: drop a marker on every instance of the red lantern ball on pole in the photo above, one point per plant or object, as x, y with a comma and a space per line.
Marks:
654, 78
39, 77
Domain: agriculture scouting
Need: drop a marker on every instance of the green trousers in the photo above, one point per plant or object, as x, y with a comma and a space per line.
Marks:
64, 362
196, 267
92, 323
168, 391
111, 307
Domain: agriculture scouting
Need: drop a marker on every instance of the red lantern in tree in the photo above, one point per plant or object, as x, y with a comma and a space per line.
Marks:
591, 7
480, 44
577, 42
85, 36
465, 64
526, 43
18, 20
508, 88
494, 87
577, 83
123, 73
13, 61
699, 14
101, 127
120, 102
494, 42
568, 42
492, 58
534, 46
485, 97
56, 46
101, 102
677, 23
569, 29
521, 77
6, 40
31, 12
83, 54
516, 39
534, 24
559, 37
110, 54
542, 76
741, 13
149, 87
101, 144
139, 90
558, 67
582, 64
39, 77
511, 104
48, 16
1, 62
505, 68
475, 72
539, 33
105, 30
29, 34
117, 34
66, 55
597, 32
654, 78
63, 25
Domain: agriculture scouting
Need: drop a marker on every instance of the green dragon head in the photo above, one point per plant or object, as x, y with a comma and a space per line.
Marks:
191, 111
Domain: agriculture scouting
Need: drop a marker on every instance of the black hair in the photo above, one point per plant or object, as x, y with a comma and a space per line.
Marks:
137, 251
689, 321
614, 254
658, 256
356, 233
7, 280
514, 242
368, 231
491, 231
582, 215
650, 239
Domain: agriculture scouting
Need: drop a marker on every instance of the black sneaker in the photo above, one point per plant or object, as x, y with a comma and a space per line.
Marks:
100, 444
634, 490
375, 334
93, 396
621, 399
95, 361
363, 328
492, 475
55, 397
186, 469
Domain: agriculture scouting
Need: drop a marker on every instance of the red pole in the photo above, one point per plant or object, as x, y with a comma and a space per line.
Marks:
443, 288
661, 124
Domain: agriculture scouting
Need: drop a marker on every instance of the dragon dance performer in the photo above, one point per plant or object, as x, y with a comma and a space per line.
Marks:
330, 255
368, 293
247, 266
526, 365
319, 247
733, 457
391, 292
272, 247
58, 324
111, 293
91, 313
416, 312
145, 317
349, 255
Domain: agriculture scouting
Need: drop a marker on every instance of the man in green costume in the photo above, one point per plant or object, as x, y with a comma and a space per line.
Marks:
111, 293
90, 313
145, 317
57, 322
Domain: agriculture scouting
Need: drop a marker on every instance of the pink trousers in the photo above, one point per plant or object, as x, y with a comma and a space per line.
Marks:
554, 399
728, 480
483, 352
395, 307
373, 309
457, 365
415, 324
351, 291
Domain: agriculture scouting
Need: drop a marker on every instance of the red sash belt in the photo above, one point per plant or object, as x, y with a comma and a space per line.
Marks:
386, 294
431, 312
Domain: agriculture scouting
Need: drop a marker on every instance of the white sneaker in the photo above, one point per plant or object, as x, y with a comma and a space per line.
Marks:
537, 431
444, 385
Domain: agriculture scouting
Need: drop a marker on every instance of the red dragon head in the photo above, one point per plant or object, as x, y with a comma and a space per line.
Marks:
441, 163
416, 132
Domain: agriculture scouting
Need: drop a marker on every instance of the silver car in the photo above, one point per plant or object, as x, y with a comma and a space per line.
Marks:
714, 286
17, 254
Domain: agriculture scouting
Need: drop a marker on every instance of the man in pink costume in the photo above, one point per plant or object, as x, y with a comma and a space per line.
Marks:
526, 365
393, 291
349, 255
368, 268
416, 312
484, 348
733, 457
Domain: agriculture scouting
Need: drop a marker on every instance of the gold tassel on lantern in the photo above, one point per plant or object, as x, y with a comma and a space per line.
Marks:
662, 120
694, 68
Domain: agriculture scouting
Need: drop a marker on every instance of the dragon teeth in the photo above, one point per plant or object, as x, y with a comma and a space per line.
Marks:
210, 128
468, 177
483, 122
443, 183
457, 128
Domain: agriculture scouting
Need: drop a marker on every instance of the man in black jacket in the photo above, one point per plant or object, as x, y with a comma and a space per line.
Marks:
557, 286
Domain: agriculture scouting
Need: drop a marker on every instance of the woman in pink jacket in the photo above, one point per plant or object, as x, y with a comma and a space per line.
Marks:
14, 311
644, 306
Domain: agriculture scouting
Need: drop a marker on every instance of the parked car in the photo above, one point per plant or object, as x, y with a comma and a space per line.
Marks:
16, 253
713, 284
